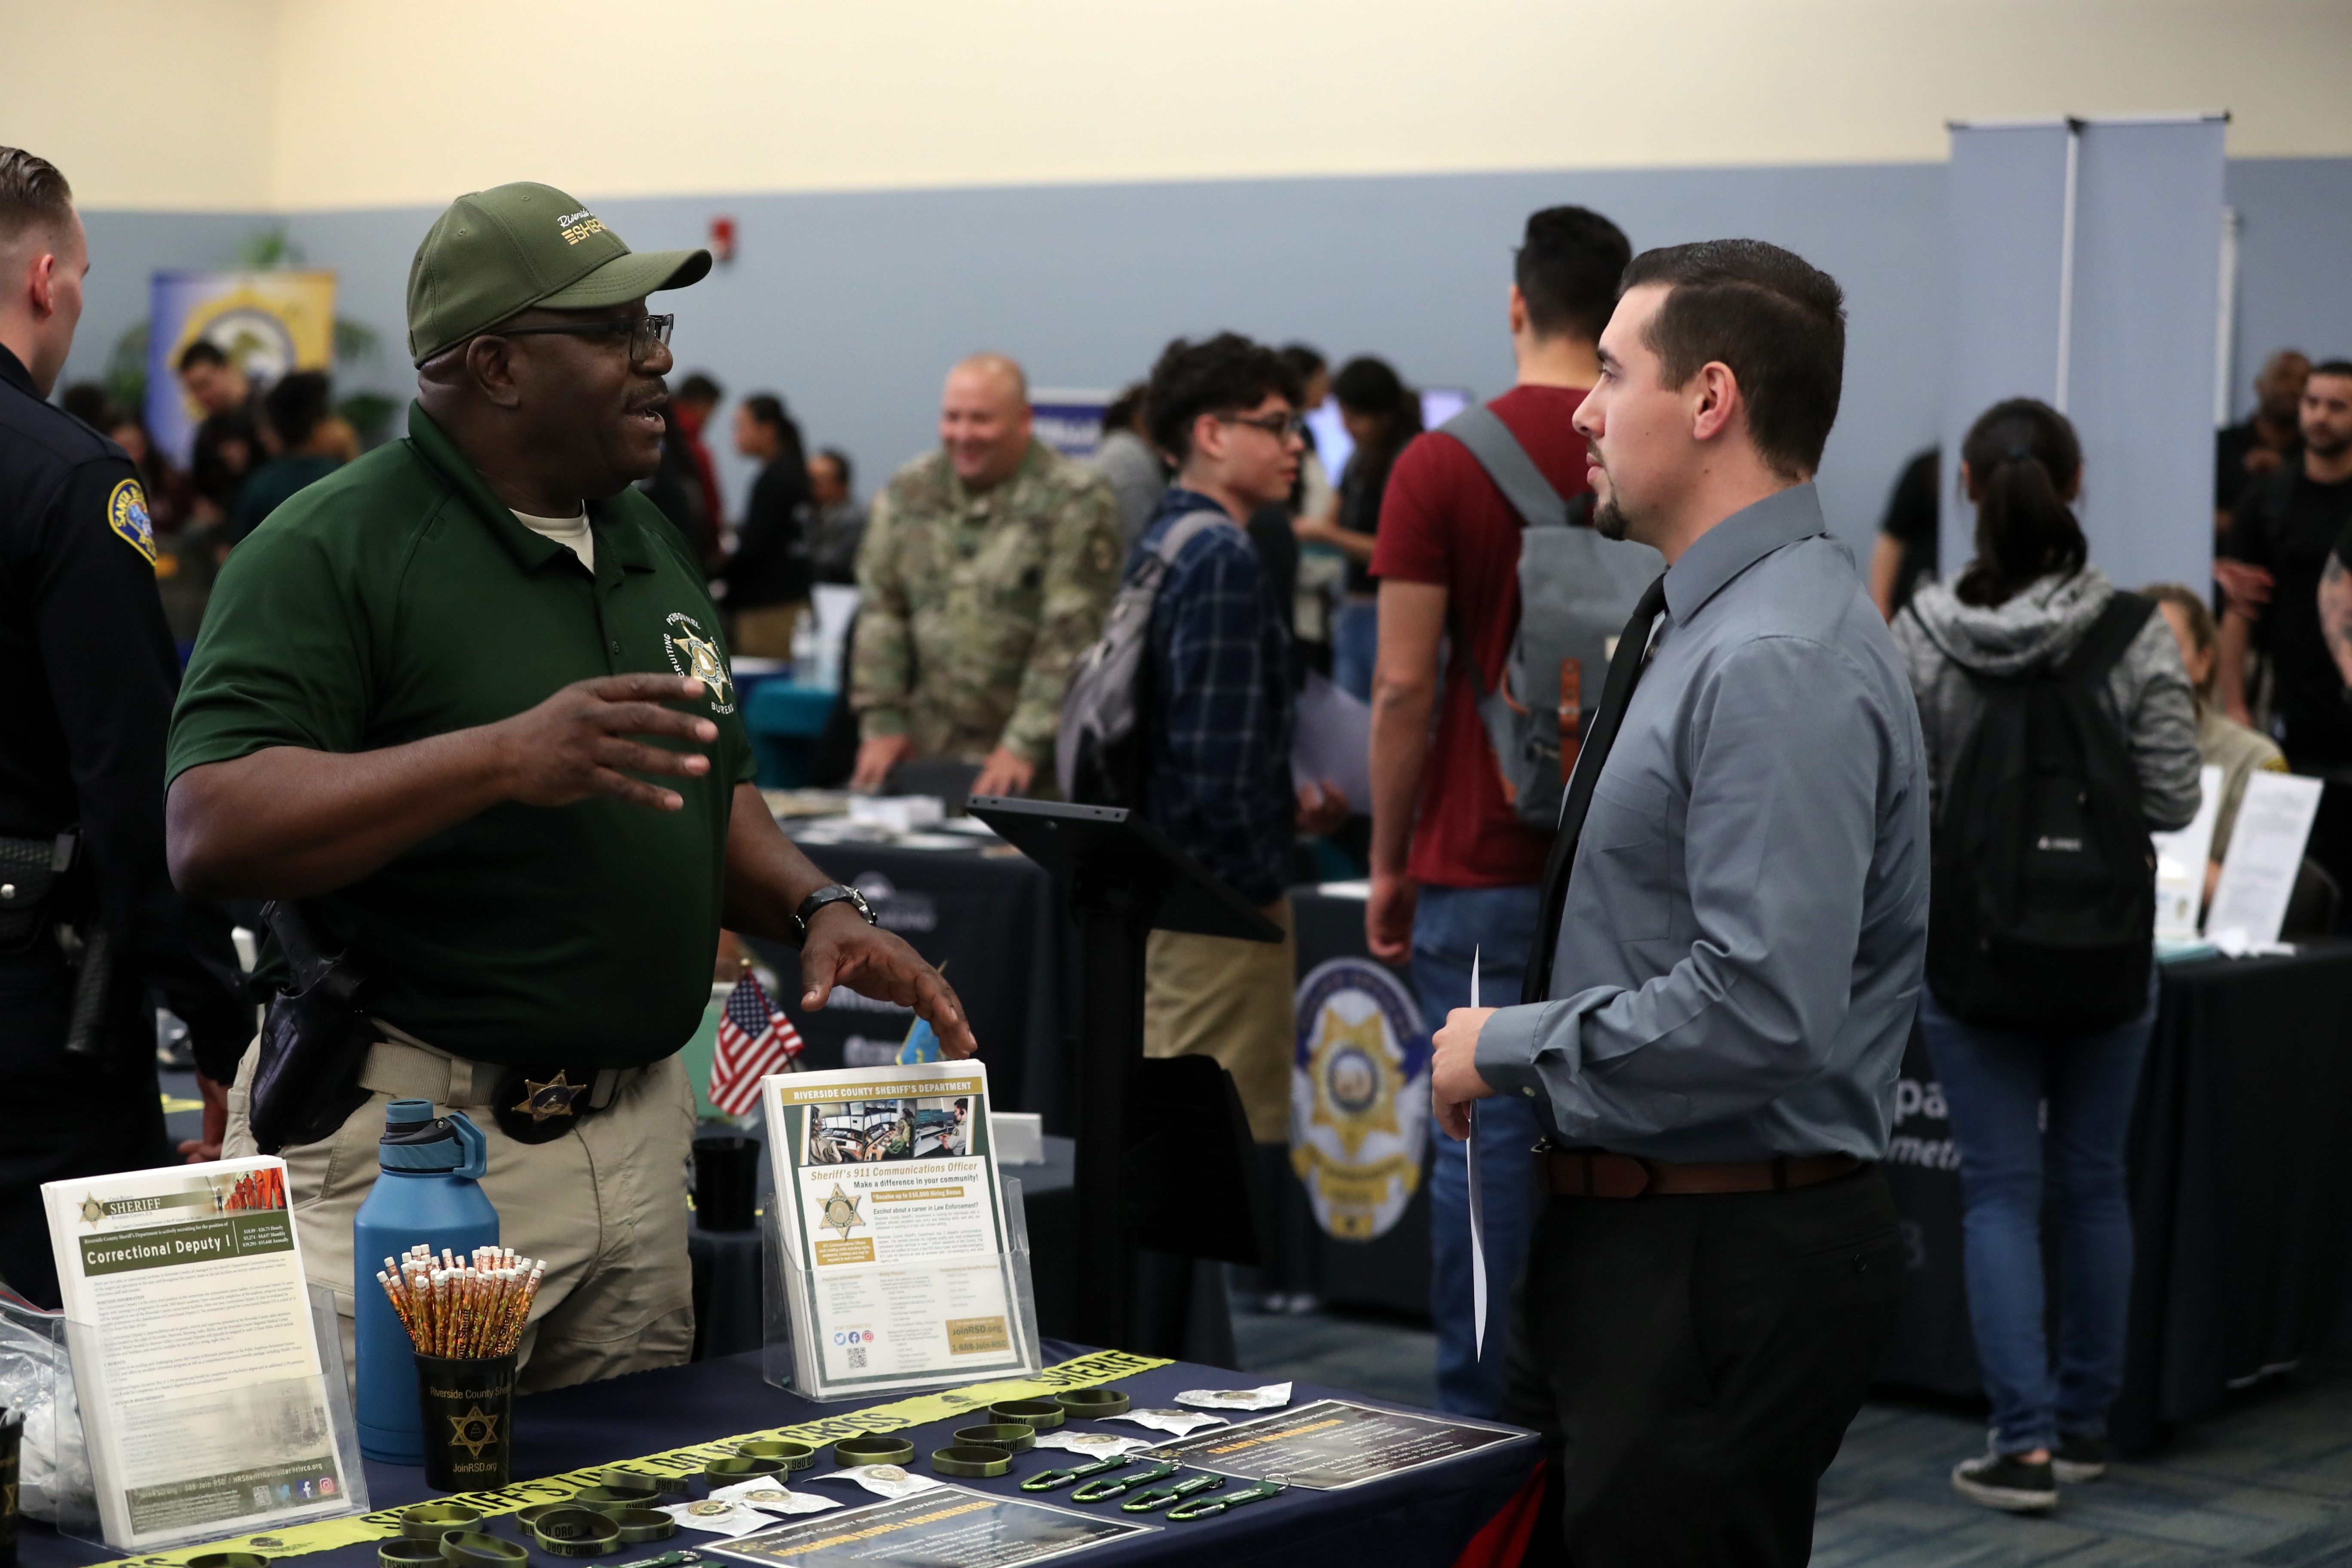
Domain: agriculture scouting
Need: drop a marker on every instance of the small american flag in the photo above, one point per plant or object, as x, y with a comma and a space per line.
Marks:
754, 1040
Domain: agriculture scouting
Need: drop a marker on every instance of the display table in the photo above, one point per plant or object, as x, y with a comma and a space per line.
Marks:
2242, 1189
1428, 1516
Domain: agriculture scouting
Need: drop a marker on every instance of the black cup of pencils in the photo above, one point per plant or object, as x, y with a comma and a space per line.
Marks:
466, 1316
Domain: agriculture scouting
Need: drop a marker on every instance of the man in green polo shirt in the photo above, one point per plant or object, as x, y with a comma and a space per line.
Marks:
467, 701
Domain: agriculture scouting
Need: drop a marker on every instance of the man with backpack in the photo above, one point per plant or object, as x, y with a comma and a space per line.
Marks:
1455, 864
1203, 737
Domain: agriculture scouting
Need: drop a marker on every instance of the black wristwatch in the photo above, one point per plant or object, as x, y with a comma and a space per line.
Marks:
833, 893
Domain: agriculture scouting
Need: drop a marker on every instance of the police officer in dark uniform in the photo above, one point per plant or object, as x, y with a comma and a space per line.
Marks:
90, 923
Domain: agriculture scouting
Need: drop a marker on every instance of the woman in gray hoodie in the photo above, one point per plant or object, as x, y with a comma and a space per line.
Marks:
2024, 603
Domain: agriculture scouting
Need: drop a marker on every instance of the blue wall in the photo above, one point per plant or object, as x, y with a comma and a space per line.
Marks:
852, 305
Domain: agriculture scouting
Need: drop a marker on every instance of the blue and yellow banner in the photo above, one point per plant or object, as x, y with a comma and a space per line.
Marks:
269, 323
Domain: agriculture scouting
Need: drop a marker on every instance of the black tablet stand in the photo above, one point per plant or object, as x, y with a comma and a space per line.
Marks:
1163, 1150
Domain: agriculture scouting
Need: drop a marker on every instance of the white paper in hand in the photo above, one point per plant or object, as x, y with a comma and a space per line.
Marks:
1477, 1210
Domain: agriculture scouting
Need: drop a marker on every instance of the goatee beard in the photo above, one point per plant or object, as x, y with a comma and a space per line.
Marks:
1609, 519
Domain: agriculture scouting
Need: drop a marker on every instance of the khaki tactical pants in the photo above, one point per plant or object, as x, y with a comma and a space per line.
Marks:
605, 1206
1233, 1000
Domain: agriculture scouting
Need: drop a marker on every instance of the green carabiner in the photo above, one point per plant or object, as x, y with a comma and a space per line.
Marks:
1161, 1496
1110, 1487
1046, 1480
1209, 1507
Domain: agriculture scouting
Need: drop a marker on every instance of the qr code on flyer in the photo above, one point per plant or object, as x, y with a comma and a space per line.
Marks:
857, 1354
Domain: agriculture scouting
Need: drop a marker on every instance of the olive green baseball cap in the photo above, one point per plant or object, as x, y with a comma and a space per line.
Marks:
513, 247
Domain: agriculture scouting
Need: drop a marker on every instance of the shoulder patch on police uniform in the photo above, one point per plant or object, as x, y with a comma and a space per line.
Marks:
126, 513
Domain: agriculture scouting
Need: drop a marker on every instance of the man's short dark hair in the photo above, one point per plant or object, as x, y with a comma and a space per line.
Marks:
204, 351
297, 405
698, 388
840, 460
32, 194
1120, 413
1776, 320
2332, 367
1222, 375
1567, 269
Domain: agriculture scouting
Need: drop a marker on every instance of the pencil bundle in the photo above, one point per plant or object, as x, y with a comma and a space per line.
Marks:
463, 1308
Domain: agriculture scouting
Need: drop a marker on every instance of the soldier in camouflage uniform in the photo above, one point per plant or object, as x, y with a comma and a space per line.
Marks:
986, 569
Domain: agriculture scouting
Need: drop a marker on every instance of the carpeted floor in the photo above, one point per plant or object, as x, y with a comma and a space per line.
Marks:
2269, 1481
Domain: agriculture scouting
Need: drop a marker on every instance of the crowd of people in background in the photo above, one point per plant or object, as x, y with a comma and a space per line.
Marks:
986, 567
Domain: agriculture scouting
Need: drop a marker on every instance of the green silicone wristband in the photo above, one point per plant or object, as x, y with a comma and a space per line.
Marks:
971, 1459
576, 1532
472, 1549
1018, 1436
432, 1520
620, 1478
1094, 1403
872, 1450
642, 1524
407, 1552
607, 1499
1044, 1414
229, 1560
791, 1455
739, 1468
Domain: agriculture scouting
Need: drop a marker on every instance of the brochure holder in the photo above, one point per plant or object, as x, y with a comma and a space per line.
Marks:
781, 1365
1123, 879
329, 1390
37, 1380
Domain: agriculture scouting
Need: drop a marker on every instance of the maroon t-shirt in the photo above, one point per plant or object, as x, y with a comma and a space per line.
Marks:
1444, 521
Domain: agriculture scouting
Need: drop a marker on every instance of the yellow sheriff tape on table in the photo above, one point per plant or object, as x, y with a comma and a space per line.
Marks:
328, 1534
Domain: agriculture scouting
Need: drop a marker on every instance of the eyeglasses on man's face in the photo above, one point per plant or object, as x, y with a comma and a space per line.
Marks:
642, 333
1281, 426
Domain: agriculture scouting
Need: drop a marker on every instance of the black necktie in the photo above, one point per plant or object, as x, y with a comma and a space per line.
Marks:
1616, 694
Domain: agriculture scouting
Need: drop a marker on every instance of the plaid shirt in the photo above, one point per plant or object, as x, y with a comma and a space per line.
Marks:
1219, 781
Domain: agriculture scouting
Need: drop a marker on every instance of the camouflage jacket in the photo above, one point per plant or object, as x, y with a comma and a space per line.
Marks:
973, 607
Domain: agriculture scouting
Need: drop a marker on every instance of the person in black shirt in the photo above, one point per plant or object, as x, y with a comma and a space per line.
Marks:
2285, 529
1381, 415
1906, 552
228, 443
769, 575
87, 681
2245, 453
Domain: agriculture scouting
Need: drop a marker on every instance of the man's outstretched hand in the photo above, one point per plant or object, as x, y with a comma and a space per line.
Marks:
843, 950
584, 740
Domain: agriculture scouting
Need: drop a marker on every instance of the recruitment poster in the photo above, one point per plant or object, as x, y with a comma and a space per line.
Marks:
893, 1221
268, 322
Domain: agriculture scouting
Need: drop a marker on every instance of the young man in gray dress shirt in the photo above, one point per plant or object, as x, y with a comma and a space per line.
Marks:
1735, 930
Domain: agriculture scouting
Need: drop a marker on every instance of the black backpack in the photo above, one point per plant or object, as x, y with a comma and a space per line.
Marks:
2041, 915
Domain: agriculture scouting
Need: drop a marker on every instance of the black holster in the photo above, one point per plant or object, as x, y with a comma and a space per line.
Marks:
314, 1039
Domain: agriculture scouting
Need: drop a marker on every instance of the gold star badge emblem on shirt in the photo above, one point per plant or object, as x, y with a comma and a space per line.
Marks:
474, 1431
542, 1101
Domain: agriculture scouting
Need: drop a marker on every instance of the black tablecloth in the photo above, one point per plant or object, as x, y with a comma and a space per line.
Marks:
2242, 1189
1424, 1519
993, 923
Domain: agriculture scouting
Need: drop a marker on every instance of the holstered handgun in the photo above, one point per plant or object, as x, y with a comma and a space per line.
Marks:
314, 1039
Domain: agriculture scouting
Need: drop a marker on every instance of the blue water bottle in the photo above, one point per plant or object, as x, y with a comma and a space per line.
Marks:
427, 1192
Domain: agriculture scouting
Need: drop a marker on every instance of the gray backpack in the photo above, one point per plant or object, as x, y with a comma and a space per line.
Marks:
1098, 756
1576, 592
